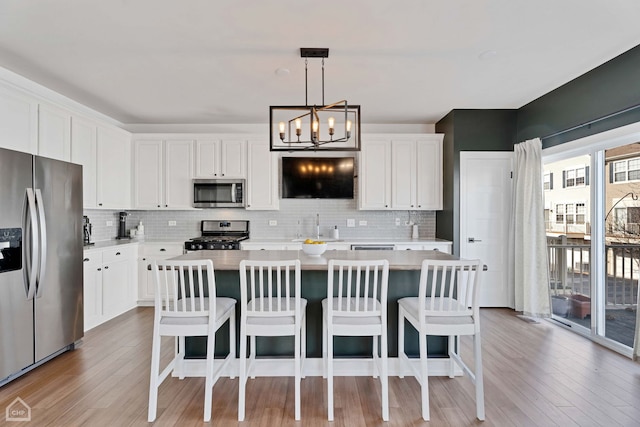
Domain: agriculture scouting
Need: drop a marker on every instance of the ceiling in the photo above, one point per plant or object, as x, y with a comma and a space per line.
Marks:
216, 61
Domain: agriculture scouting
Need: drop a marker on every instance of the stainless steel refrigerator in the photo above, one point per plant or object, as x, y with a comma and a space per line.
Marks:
41, 312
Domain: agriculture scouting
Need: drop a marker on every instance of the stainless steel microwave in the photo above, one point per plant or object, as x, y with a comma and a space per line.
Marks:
218, 193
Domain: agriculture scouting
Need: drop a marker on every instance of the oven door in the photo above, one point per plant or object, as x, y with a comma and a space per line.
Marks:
218, 193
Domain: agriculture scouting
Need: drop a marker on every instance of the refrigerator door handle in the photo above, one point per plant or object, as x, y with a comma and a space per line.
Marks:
43, 241
32, 250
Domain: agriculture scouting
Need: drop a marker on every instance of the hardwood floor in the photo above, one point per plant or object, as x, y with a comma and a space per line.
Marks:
535, 375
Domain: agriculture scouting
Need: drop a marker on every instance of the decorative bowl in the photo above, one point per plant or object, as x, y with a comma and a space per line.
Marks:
314, 249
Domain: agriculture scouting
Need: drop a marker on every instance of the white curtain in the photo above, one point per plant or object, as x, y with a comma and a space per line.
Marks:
529, 266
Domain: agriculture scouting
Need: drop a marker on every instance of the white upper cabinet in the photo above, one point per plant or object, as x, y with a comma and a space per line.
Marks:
163, 171
262, 176
84, 152
54, 132
113, 168
375, 175
429, 173
18, 121
105, 155
221, 158
401, 173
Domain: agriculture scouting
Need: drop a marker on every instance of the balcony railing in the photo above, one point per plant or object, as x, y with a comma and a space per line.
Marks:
570, 267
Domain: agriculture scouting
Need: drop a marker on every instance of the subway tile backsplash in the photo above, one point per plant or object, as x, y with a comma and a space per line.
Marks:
296, 218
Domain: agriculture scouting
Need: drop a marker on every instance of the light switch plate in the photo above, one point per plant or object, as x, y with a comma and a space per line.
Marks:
397, 221
351, 223
109, 223
172, 223
362, 223
273, 222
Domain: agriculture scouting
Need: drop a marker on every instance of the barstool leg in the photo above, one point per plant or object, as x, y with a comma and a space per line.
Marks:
242, 361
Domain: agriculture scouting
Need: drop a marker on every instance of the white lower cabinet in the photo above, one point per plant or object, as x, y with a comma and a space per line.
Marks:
434, 246
109, 283
266, 246
149, 252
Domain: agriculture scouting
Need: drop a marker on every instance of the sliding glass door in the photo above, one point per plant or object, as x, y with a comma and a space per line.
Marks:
592, 213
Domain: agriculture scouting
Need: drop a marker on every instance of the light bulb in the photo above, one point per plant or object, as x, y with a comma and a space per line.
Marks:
281, 127
298, 123
315, 126
348, 125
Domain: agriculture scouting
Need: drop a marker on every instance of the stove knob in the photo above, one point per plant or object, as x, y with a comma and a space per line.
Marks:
199, 246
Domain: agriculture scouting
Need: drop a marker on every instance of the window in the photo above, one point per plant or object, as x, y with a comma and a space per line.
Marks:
570, 209
547, 181
560, 214
580, 213
626, 170
575, 177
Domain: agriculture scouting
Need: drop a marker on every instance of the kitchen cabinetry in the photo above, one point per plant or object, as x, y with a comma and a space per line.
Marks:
54, 132
109, 283
401, 173
163, 170
104, 153
220, 158
433, 246
262, 177
149, 252
267, 246
18, 121
113, 179
84, 152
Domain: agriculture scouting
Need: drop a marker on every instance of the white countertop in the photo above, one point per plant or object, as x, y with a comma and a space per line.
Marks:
398, 260
112, 243
356, 241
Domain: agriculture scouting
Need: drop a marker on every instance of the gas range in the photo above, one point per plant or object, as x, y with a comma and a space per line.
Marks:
219, 235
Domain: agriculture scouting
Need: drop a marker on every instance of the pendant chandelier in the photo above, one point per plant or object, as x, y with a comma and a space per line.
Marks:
332, 127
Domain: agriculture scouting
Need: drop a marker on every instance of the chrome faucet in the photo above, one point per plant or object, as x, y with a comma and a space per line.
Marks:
317, 226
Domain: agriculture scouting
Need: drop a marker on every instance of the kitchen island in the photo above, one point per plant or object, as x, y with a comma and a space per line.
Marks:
404, 274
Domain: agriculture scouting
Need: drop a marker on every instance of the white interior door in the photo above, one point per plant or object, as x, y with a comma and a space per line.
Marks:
485, 203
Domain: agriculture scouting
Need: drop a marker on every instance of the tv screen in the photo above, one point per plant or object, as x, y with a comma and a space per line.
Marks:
317, 177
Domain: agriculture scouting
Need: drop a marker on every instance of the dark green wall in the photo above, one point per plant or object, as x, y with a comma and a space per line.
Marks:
468, 130
596, 95
607, 89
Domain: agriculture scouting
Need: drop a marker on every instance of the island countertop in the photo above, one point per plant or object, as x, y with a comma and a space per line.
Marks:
398, 260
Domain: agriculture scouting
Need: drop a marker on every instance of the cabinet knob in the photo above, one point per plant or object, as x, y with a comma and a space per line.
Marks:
99, 269
158, 205
117, 253
144, 259
85, 260
99, 204
162, 249
106, 267
386, 206
166, 206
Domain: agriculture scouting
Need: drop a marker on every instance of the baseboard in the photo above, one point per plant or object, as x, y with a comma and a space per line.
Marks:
312, 367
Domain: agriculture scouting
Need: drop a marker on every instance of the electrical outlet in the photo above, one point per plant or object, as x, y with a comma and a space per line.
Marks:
362, 223
397, 221
172, 223
351, 223
408, 223
109, 223
273, 222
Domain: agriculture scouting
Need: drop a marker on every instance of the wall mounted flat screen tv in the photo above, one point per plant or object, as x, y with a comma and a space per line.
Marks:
317, 177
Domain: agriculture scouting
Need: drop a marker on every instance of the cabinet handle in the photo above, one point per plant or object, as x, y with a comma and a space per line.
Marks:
99, 269
117, 253
144, 259
166, 206
158, 205
85, 260
386, 206
221, 174
99, 204
162, 249
106, 267
411, 205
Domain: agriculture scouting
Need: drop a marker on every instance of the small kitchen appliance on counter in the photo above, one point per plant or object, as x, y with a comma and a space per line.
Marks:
219, 235
87, 229
122, 226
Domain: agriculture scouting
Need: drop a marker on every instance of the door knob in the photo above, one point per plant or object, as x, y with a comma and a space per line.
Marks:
473, 240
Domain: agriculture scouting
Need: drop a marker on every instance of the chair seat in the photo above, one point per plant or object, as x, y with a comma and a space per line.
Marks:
354, 318
447, 308
264, 317
222, 306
